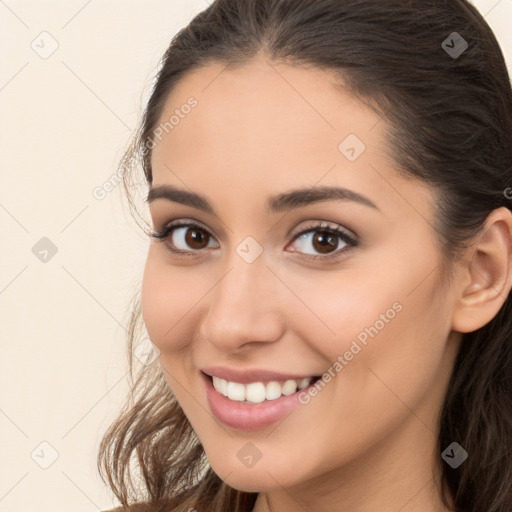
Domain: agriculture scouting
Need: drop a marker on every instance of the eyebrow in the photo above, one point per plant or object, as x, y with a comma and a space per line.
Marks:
280, 203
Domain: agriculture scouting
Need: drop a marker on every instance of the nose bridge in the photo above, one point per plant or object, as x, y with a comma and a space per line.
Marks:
243, 304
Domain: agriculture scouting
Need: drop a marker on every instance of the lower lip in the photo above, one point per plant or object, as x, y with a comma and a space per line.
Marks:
246, 416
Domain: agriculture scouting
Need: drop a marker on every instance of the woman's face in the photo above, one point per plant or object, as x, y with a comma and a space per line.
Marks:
250, 295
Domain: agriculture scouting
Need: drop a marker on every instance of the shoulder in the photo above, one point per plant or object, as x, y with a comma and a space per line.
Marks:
175, 503
136, 507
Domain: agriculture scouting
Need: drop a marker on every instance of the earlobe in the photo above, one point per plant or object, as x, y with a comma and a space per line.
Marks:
487, 275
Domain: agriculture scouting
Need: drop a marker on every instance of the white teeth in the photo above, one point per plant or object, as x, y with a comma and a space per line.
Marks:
236, 391
273, 390
221, 385
257, 392
289, 387
303, 382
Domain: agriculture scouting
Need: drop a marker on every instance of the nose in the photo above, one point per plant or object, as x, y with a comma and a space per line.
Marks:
244, 307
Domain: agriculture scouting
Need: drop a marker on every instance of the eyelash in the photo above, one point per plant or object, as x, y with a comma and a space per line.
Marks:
167, 230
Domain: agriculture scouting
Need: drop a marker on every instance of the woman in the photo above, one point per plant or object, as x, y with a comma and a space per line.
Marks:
328, 279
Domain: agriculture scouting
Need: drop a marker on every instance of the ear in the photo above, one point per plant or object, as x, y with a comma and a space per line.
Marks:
486, 276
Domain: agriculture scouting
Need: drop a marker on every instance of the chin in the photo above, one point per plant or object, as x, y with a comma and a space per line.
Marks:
256, 479
254, 483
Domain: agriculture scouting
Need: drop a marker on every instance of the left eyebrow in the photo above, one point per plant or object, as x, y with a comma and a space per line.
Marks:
287, 201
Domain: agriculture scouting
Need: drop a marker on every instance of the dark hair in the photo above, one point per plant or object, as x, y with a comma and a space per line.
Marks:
449, 123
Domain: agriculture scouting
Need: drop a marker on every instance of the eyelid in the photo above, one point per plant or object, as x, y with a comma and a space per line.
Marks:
347, 236
328, 226
186, 222
350, 240
168, 228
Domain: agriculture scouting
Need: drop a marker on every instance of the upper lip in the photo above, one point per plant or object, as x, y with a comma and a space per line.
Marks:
250, 375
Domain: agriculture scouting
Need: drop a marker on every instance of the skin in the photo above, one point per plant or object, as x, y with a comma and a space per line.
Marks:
367, 441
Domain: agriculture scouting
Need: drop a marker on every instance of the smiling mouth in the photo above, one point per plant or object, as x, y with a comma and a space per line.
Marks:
260, 391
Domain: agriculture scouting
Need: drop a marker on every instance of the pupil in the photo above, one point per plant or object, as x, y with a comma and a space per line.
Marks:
326, 241
196, 236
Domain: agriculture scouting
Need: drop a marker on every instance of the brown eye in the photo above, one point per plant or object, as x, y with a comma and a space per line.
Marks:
190, 239
184, 238
195, 238
323, 240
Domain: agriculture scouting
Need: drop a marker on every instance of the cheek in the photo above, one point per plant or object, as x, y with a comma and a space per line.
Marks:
409, 352
341, 308
377, 330
167, 295
390, 364
393, 351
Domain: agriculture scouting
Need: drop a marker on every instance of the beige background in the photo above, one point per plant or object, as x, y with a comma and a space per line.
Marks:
65, 119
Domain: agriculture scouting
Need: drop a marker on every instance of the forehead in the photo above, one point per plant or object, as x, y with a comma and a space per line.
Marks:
262, 117
265, 127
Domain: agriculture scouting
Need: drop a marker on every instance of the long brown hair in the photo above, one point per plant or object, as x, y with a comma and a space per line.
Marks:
450, 119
